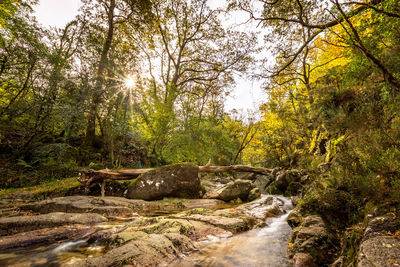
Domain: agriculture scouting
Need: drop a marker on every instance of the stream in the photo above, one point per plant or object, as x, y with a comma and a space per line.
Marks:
261, 247
264, 246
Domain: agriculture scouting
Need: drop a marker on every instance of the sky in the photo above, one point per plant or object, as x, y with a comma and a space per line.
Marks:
246, 96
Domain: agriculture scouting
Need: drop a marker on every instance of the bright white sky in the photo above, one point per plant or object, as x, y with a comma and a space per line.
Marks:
247, 95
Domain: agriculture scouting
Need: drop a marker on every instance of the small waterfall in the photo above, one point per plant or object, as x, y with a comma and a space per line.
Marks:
69, 245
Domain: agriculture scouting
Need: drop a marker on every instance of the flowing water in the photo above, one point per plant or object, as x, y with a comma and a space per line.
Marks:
264, 246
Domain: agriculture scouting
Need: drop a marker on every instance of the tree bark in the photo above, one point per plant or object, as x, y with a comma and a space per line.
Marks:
96, 98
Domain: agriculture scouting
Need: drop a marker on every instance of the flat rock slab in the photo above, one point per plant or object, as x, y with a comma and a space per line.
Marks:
382, 251
44, 236
14, 225
117, 206
150, 250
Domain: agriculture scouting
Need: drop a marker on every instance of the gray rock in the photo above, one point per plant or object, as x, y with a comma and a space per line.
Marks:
180, 180
244, 176
303, 260
382, 251
237, 189
254, 194
263, 181
311, 237
117, 207
44, 236
377, 247
381, 224
285, 178
13, 225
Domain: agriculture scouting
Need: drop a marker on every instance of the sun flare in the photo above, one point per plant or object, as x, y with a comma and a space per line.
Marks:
129, 82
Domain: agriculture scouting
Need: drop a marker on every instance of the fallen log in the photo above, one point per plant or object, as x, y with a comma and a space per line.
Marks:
91, 177
236, 168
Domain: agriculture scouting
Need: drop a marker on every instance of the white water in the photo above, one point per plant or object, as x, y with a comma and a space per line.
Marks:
68, 246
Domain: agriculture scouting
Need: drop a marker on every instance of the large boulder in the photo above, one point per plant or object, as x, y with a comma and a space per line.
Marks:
378, 248
237, 189
179, 180
286, 178
383, 251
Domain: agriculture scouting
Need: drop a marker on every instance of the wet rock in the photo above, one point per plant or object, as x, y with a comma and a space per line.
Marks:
234, 225
303, 260
254, 194
14, 225
262, 182
44, 236
274, 211
180, 180
237, 189
149, 250
382, 251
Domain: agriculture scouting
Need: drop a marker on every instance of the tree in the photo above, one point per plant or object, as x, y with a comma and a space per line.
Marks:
190, 60
288, 19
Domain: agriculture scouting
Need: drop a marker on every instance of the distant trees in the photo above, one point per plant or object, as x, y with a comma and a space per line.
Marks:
64, 101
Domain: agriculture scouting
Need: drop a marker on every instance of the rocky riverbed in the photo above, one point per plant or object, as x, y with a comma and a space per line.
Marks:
94, 231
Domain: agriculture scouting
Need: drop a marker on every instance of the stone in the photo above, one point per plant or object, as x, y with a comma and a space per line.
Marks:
44, 236
14, 225
117, 207
379, 247
179, 180
150, 250
312, 237
254, 194
294, 218
381, 224
262, 182
244, 175
284, 178
382, 251
303, 260
237, 189
274, 211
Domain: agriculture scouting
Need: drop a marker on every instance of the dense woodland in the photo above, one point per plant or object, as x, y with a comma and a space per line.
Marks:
131, 84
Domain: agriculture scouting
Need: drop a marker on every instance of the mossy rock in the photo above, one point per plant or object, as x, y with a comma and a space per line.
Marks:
178, 180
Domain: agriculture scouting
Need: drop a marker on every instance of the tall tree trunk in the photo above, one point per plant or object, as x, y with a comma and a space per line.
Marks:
97, 92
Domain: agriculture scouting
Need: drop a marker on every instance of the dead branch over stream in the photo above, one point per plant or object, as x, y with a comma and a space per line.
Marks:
91, 177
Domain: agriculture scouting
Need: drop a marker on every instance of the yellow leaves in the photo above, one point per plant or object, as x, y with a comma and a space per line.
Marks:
387, 245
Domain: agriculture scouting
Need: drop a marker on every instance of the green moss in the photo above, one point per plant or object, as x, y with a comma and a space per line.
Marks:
132, 182
60, 187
